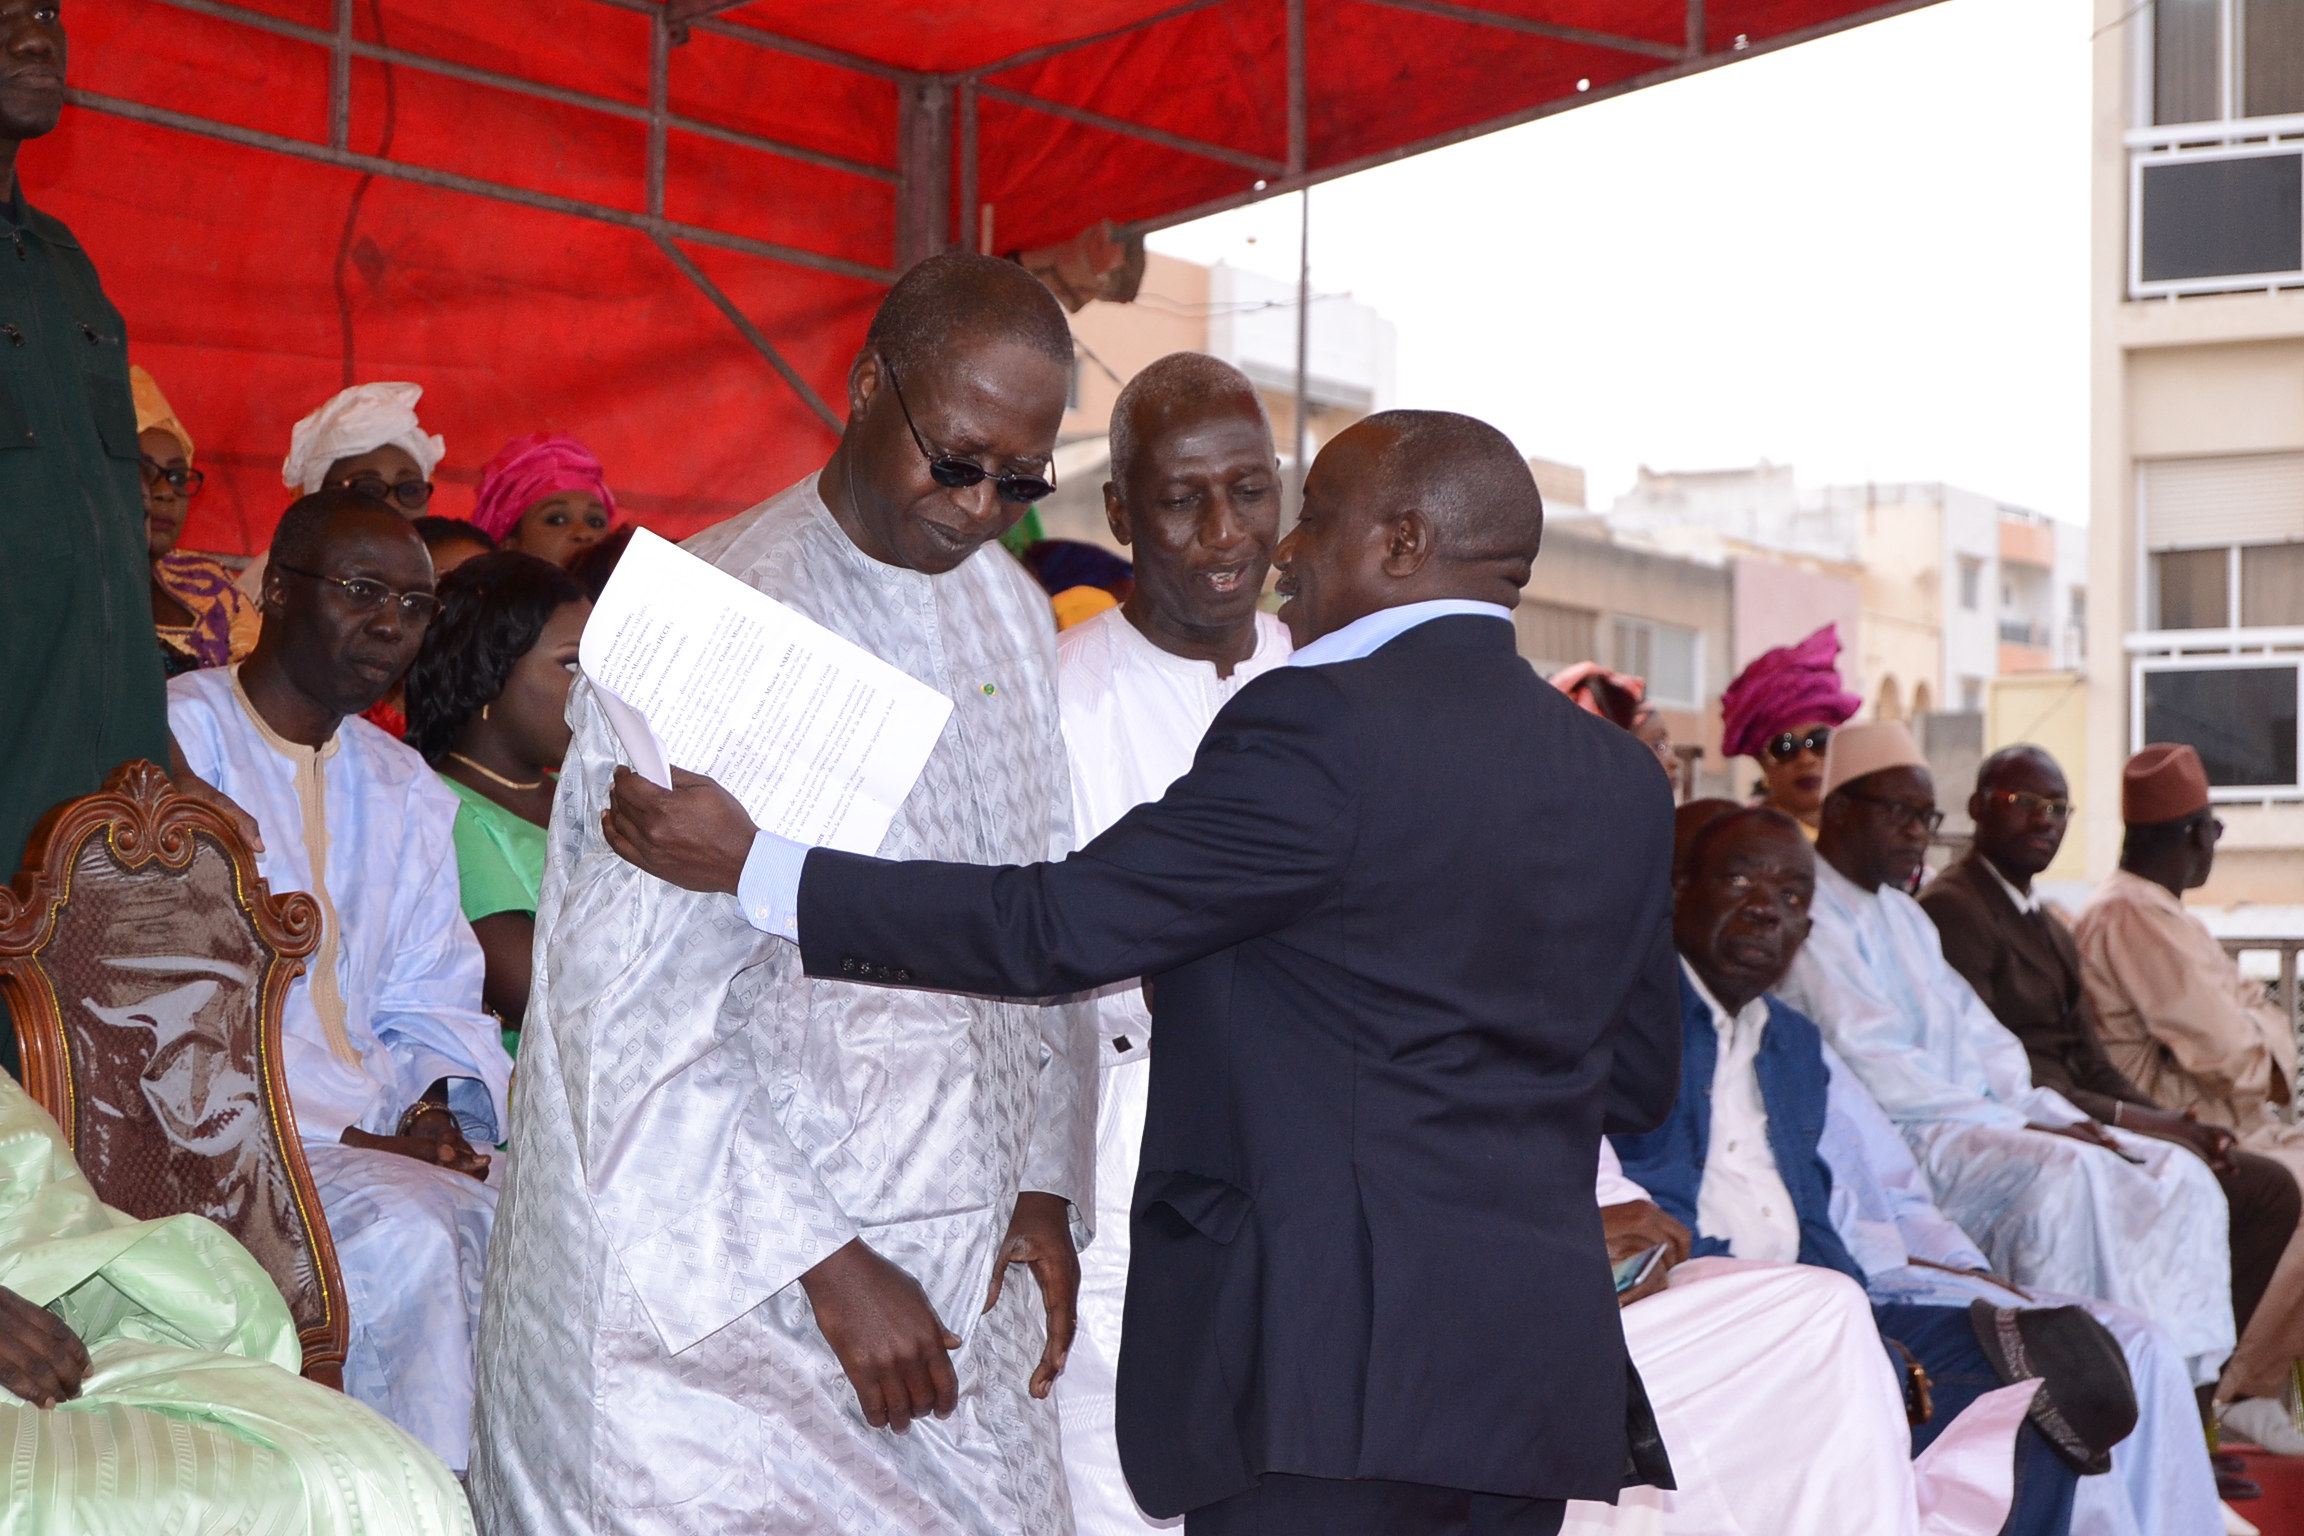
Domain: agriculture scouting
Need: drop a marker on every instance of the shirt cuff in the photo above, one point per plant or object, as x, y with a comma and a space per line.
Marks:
769, 889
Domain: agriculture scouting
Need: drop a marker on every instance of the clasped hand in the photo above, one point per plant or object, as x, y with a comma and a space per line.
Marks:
898, 1355
41, 1360
434, 1137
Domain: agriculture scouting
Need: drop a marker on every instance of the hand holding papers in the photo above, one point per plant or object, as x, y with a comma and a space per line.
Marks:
818, 739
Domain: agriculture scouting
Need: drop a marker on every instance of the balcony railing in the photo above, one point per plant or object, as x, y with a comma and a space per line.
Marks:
2282, 992
2216, 207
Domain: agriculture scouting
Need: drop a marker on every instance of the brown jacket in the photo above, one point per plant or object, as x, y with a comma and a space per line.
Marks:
2027, 970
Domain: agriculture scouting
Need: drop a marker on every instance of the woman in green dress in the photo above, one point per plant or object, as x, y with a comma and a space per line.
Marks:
487, 706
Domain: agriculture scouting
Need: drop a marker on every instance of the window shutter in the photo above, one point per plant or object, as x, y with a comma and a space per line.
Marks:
2255, 498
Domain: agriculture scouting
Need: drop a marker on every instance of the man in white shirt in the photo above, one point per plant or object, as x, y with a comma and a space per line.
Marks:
1195, 494
2053, 1199
393, 1069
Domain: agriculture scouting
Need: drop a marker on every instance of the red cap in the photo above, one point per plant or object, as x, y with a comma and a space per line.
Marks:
2164, 782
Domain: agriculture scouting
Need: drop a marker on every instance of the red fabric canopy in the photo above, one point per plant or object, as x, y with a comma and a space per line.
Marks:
495, 198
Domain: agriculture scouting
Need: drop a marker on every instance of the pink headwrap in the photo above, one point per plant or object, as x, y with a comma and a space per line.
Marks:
1787, 686
528, 469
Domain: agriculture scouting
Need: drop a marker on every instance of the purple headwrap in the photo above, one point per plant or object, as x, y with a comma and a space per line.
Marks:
1787, 686
528, 469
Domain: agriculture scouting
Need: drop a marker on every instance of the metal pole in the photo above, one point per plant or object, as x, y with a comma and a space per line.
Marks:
1297, 157
968, 163
1303, 338
340, 80
659, 108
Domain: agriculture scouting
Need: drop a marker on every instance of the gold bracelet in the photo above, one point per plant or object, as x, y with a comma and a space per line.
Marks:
416, 1112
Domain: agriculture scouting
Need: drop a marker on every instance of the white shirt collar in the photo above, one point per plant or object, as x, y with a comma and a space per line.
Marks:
2026, 901
1370, 633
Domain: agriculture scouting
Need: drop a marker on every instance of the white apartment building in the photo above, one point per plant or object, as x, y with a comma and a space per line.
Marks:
1955, 587
2197, 405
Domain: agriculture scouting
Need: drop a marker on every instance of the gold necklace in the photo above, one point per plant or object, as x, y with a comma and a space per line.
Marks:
492, 776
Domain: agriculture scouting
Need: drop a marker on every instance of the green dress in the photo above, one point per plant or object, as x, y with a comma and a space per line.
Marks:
499, 863
191, 1418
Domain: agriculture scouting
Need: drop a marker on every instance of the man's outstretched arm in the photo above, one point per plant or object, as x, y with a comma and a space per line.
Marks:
1256, 835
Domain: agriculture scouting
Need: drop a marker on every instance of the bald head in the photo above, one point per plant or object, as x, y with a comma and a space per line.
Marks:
1740, 900
347, 597
1464, 475
960, 296
1407, 507
1179, 387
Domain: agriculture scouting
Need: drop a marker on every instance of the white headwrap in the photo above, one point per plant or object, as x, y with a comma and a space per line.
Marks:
361, 420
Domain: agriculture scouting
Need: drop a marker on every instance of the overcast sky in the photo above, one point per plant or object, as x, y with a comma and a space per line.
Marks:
1865, 256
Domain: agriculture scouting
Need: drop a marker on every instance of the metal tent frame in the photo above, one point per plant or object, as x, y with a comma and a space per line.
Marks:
937, 127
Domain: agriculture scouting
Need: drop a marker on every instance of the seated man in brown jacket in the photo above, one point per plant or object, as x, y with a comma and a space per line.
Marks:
2026, 967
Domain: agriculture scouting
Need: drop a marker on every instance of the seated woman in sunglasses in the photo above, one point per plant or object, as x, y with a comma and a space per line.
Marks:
202, 618
1781, 710
368, 439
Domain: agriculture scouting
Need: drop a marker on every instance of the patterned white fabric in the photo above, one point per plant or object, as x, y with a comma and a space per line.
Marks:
2160, 1483
1133, 718
2048, 1211
698, 1124
411, 1247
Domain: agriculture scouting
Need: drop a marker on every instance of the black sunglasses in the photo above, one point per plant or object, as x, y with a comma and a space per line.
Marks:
957, 474
184, 482
1786, 745
412, 494
1903, 813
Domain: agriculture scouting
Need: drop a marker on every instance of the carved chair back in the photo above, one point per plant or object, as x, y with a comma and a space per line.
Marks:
145, 965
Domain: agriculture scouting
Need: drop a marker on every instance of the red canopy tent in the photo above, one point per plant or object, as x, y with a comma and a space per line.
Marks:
662, 224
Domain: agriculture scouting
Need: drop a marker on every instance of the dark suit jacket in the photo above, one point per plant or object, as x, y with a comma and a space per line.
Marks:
2027, 970
1408, 919
1668, 1162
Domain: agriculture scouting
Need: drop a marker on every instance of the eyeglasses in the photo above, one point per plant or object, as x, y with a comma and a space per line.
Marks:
365, 595
2033, 805
1903, 813
957, 474
1787, 746
184, 482
412, 494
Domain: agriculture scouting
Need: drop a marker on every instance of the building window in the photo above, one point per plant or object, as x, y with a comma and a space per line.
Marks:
2190, 42
1665, 654
2080, 607
1554, 635
2240, 714
1971, 581
1971, 695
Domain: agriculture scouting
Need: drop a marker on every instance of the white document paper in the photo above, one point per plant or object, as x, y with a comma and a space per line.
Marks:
820, 739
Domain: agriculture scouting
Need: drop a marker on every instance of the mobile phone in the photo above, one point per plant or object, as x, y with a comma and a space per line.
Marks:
1633, 1272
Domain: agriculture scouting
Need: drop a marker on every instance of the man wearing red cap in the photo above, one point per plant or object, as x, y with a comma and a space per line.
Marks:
2178, 1018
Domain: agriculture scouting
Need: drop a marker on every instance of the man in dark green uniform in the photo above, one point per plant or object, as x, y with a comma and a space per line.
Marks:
80, 677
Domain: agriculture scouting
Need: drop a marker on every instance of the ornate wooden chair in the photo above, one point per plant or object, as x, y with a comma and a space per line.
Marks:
145, 965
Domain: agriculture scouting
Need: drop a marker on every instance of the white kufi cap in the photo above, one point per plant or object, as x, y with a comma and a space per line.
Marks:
1876, 745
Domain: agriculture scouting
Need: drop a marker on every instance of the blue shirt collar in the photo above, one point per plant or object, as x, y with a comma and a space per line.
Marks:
1370, 633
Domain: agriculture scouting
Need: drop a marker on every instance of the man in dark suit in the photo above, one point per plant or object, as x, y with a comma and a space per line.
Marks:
1408, 925
2024, 965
